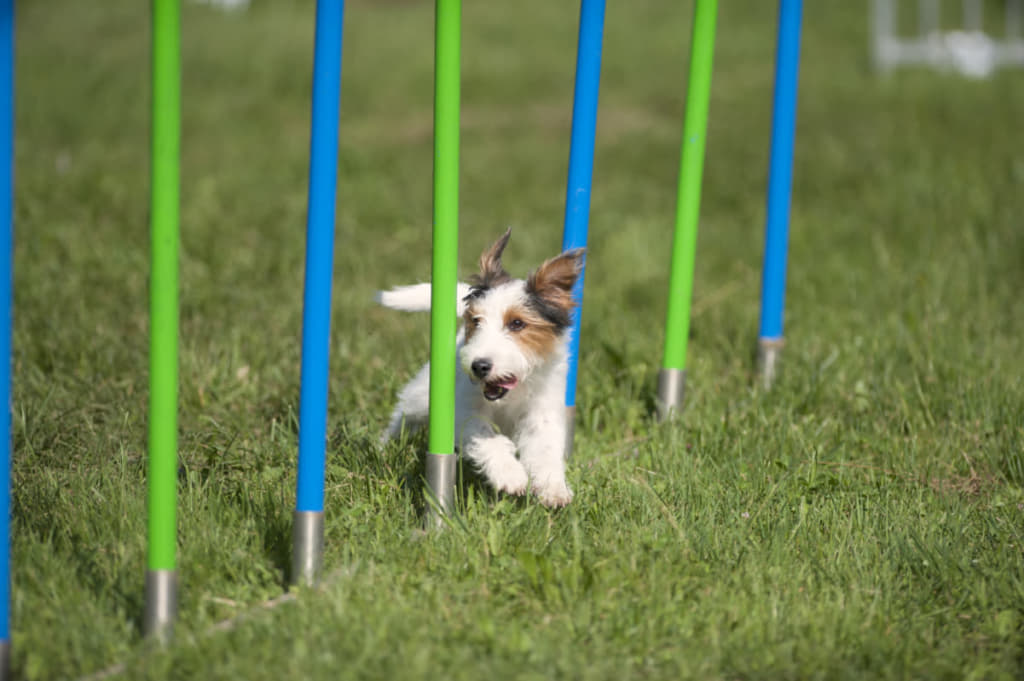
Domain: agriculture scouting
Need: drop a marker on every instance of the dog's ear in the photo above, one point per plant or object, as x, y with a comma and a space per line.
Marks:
492, 272
554, 279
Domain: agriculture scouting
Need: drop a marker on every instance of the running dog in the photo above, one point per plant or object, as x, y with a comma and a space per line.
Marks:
510, 394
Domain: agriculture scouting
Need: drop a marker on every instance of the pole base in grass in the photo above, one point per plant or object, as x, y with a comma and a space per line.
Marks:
440, 488
769, 354
5, 660
307, 547
671, 390
161, 604
570, 430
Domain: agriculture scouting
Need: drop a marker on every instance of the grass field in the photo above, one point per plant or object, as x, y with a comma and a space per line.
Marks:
863, 520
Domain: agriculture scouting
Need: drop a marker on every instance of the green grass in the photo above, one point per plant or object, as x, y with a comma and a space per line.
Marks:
862, 520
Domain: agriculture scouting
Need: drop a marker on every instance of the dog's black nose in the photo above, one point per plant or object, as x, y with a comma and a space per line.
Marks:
481, 367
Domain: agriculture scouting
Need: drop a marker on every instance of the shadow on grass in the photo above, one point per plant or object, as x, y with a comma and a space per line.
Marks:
276, 540
110, 571
402, 463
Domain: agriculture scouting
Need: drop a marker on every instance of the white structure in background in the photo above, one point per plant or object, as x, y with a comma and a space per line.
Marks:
967, 49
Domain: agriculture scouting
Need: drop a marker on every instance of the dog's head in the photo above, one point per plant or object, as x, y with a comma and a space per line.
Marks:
514, 325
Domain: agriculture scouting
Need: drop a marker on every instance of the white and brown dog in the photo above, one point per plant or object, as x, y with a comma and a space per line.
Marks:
510, 396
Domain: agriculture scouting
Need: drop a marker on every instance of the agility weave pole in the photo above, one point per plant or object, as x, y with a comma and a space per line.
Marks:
6, 305
440, 464
780, 186
308, 519
672, 377
161, 574
581, 172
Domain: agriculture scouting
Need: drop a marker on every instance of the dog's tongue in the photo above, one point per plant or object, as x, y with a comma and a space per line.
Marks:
495, 390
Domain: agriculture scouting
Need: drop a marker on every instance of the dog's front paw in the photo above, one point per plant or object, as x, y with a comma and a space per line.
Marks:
509, 477
496, 458
553, 494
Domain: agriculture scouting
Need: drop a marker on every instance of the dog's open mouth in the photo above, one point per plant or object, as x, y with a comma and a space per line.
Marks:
497, 388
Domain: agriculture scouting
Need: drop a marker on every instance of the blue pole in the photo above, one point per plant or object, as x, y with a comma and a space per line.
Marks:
581, 171
780, 182
307, 534
6, 303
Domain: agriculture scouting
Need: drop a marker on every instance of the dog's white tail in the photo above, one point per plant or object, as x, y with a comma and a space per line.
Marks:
416, 298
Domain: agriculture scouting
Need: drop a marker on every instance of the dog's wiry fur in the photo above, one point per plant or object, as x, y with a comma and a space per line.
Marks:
510, 394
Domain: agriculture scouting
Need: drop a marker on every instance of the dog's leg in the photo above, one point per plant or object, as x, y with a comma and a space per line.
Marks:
400, 421
413, 406
542, 451
495, 456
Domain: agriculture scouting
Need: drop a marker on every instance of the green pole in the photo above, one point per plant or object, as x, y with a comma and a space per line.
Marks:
672, 378
440, 472
163, 333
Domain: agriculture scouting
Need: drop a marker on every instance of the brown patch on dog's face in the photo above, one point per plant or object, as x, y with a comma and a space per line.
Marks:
492, 272
531, 331
550, 287
469, 317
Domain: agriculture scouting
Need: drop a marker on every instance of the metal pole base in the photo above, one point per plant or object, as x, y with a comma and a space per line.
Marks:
441, 487
5, 660
307, 547
671, 390
769, 354
161, 604
570, 430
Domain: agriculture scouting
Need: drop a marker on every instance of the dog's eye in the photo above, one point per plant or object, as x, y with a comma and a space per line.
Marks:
516, 325
475, 322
